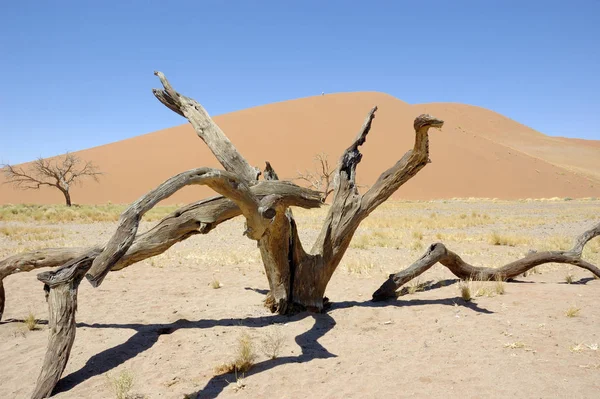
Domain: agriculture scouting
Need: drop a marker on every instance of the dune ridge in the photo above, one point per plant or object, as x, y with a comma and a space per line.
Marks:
478, 153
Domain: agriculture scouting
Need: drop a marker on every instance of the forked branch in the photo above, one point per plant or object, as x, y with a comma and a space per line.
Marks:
222, 182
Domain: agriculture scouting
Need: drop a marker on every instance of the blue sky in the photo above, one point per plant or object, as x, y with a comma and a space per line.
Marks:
77, 74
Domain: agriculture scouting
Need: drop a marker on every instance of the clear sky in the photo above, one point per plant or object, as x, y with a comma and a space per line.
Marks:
76, 74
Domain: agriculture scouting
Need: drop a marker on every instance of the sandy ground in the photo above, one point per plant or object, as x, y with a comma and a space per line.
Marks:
162, 323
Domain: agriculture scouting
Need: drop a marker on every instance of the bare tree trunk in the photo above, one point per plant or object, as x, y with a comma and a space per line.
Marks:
61, 287
2, 298
67, 197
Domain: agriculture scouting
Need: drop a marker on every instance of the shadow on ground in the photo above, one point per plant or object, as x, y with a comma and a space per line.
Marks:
147, 335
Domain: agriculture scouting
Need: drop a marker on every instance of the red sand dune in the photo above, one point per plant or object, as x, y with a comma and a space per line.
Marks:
478, 153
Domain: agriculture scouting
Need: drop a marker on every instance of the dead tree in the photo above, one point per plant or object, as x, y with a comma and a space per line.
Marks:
61, 173
321, 179
297, 277
464, 271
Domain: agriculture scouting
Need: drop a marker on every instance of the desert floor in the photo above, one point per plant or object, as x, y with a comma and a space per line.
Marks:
162, 324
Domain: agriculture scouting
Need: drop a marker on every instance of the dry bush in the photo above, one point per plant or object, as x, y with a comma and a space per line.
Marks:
122, 384
31, 322
361, 266
572, 311
416, 245
569, 278
244, 357
499, 286
416, 285
215, 284
272, 343
512, 241
515, 345
465, 290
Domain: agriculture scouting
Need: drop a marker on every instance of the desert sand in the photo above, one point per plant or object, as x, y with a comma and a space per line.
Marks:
478, 153
161, 322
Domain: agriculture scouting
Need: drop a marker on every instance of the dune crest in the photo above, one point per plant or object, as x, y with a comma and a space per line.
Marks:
479, 153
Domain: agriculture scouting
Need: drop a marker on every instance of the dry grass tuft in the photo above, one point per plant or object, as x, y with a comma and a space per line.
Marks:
572, 311
465, 290
569, 278
500, 286
512, 241
416, 245
215, 284
75, 213
122, 384
31, 322
515, 345
272, 343
361, 266
416, 285
244, 357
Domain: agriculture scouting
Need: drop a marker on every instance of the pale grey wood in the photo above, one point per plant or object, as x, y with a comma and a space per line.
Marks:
207, 130
463, 270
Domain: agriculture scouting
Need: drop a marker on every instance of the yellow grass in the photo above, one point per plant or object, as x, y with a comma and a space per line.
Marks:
75, 213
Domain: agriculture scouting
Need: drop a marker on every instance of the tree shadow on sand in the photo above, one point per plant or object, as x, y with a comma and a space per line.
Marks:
147, 335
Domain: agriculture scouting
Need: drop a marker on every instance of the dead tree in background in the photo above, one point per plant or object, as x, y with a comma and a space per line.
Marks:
60, 172
321, 179
297, 277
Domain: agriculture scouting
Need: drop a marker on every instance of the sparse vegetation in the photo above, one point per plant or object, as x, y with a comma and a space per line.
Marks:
122, 384
244, 357
416, 285
215, 284
31, 322
272, 343
465, 290
515, 345
511, 241
569, 278
573, 311
499, 286
75, 213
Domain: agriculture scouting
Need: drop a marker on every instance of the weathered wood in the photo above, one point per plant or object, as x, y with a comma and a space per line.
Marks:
223, 182
461, 269
62, 304
349, 208
2, 298
207, 130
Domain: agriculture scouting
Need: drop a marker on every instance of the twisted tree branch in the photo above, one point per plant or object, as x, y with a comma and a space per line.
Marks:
207, 130
461, 269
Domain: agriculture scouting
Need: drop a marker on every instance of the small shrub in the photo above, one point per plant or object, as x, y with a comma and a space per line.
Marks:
215, 284
417, 235
416, 246
484, 291
416, 286
244, 357
31, 322
515, 345
122, 384
465, 290
572, 311
569, 278
272, 344
499, 286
